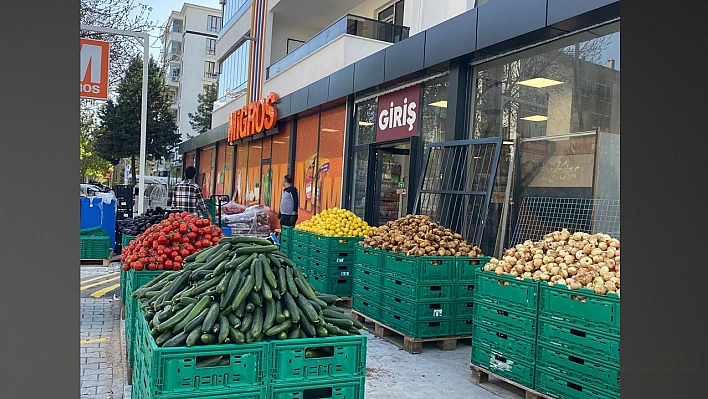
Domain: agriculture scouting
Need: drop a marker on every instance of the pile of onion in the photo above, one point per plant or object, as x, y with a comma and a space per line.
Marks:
576, 260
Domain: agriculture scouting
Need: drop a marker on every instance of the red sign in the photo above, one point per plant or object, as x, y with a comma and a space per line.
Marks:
254, 118
94, 69
397, 114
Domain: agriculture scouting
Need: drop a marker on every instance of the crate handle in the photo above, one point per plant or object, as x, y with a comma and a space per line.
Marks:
365, 303
500, 358
469, 304
397, 317
397, 259
434, 306
434, 324
326, 349
502, 336
578, 298
317, 393
577, 333
503, 313
468, 322
576, 359
436, 288
398, 282
575, 386
199, 359
397, 300
502, 282
366, 272
436, 262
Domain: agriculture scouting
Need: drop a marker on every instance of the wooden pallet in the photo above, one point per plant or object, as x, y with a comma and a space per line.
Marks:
403, 341
480, 376
345, 301
95, 262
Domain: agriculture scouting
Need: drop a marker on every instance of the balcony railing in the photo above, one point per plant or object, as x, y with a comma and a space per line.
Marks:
176, 29
210, 75
175, 77
231, 94
347, 25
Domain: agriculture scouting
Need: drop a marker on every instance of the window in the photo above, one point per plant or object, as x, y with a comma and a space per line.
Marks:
213, 23
234, 74
176, 26
210, 69
232, 7
210, 46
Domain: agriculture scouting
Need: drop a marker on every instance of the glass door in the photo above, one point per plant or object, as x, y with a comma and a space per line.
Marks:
391, 182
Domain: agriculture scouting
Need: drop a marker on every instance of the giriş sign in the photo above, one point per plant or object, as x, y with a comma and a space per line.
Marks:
397, 114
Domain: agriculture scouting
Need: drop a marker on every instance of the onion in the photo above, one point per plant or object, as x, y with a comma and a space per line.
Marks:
547, 260
600, 289
537, 262
597, 259
555, 270
614, 243
602, 246
545, 276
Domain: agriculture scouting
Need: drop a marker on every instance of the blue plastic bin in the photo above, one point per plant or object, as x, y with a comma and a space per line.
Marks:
95, 212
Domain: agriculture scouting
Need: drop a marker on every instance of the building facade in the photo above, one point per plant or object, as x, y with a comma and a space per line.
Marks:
189, 55
365, 89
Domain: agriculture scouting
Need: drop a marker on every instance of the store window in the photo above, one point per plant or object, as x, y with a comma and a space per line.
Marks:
434, 110
561, 102
224, 169
205, 171
241, 172
331, 160
253, 176
306, 165
233, 75
365, 122
279, 163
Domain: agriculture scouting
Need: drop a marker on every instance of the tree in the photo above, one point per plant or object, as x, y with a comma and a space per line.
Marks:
201, 121
120, 121
92, 165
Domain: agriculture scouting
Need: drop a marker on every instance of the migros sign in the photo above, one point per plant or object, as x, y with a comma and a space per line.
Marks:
254, 118
94, 69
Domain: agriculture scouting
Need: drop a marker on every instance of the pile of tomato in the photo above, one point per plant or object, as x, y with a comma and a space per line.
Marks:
164, 246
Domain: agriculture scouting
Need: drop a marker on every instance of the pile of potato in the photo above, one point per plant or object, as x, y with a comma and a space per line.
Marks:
576, 260
417, 235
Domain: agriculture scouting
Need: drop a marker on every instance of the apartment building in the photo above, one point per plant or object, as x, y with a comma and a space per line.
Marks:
347, 97
189, 55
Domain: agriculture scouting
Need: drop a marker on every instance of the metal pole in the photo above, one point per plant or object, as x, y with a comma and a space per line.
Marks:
143, 124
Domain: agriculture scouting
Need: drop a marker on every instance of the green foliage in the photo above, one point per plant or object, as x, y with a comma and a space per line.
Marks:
201, 121
92, 166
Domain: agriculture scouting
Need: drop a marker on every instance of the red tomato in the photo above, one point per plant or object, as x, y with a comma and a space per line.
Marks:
198, 245
207, 237
137, 266
200, 231
134, 258
184, 253
152, 266
183, 228
174, 254
215, 239
146, 244
206, 243
168, 264
190, 248
206, 222
192, 235
125, 267
198, 223
176, 237
178, 259
217, 230
186, 240
177, 266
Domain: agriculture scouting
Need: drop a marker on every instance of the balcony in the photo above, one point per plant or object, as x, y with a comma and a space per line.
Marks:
351, 25
210, 75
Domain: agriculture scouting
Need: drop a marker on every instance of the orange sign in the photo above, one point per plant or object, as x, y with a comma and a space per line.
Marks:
94, 69
254, 118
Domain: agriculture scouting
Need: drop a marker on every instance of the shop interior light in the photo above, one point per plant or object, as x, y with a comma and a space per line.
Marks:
256, 146
364, 123
540, 82
535, 118
441, 104
328, 130
278, 142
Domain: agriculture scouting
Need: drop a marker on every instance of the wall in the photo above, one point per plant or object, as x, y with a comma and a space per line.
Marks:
282, 31
206, 166
221, 115
193, 81
417, 14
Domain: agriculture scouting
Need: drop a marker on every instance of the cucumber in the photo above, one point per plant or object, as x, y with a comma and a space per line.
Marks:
179, 283
248, 240
185, 300
224, 361
282, 281
276, 294
321, 331
193, 336
177, 340
307, 308
336, 309
223, 329
241, 311
305, 288
236, 336
233, 320
195, 322
227, 297
191, 258
353, 331
258, 267
330, 300
292, 307
236, 261
333, 314
249, 338
307, 327
211, 293
257, 324
209, 339
255, 298
292, 288
243, 293
266, 292
172, 321
342, 333
269, 312
246, 264
282, 327
154, 332
268, 274
331, 329
196, 310
341, 323
257, 250
246, 323
285, 261
250, 308
216, 328
206, 286
220, 249
221, 268
286, 314
225, 312
294, 333
357, 324
164, 337
274, 260
211, 361
211, 317
315, 305
204, 253
215, 260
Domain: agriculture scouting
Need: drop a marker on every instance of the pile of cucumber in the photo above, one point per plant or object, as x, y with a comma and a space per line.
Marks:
243, 290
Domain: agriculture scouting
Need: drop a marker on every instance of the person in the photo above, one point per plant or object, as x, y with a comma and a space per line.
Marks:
289, 203
187, 195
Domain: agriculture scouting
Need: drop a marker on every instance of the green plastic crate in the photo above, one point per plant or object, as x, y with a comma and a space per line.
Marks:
366, 306
507, 291
291, 365
463, 326
126, 239
506, 321
464, 308
334, 389
286, 245
135, 279
286, 232
419, 310
583, 342
582, 308
300, 248
301, 261
332, 270
515, 370
366, 290
416, 328
507, 345
123, 285
334, 244
420, 268
579, 368
95, 247
173, 370
341, 286
466, 267
332, 257
418, 291
559, 386
93, 231
464, 291
301, 237
369, 256
366, 273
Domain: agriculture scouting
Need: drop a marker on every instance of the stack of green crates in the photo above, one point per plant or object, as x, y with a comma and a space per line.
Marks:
95, 243
272, 369
286, 240
328, 262
578, 352
125, 241
367, 290
505, 326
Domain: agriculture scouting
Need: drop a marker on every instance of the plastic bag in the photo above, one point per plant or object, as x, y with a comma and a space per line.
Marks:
232, 208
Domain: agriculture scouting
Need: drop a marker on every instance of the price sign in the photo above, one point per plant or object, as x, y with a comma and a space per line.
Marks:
401, 191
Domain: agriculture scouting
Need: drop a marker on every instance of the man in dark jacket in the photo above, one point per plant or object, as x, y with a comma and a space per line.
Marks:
289, 203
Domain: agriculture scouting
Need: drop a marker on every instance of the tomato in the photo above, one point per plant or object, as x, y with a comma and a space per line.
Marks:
184, 253
206, 243
125, 267
207, 237
163, 240
174, 254
168, 264
190, 248
178, 259
154, 244
217, 230
152, 266
177, 266
134, 258
146, 244
137, 266
176, 237
198, 223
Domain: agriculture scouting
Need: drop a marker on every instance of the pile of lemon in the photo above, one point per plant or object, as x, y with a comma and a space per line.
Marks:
335, 222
